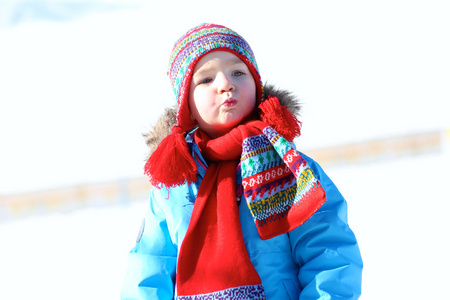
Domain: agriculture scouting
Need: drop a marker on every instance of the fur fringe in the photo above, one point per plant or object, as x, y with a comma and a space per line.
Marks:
161, 129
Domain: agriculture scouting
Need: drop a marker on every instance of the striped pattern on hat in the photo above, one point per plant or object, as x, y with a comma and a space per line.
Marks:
189, 49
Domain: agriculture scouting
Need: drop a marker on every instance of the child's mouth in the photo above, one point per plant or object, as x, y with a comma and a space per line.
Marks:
229, 102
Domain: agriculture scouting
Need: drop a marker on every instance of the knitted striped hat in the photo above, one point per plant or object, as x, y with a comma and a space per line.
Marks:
172, 163
190, 48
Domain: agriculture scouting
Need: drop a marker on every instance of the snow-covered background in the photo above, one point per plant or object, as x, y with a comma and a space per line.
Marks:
81, 80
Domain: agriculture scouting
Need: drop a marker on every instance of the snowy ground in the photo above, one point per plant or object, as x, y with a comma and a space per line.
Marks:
79, 255
396, 208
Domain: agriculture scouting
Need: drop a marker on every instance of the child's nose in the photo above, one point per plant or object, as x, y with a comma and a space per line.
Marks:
225, 84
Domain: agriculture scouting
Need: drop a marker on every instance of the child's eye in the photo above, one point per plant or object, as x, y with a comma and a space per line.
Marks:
206, 80
238, 73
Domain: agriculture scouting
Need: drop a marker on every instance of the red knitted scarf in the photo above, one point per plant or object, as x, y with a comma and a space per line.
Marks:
213, 258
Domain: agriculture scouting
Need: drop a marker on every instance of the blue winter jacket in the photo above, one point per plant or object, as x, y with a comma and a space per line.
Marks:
318, 260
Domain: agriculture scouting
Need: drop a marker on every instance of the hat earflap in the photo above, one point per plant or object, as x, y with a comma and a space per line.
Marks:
280, 118
171, 163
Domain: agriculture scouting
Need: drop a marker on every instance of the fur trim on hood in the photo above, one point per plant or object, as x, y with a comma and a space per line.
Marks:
168, 119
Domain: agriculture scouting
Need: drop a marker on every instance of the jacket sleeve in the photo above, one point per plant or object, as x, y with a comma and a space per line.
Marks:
326, 249
152, 262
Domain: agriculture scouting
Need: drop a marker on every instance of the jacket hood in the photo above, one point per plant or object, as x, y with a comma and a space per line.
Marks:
168, 119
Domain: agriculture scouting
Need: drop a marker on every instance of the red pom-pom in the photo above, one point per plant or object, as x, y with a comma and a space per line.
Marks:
171, 164
280, 118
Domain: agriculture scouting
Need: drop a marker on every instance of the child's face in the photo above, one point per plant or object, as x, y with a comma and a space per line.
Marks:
222, 93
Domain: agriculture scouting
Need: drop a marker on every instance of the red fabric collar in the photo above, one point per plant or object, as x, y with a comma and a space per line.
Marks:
228, 146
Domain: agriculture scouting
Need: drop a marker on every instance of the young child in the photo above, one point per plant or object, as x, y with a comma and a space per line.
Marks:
236, 212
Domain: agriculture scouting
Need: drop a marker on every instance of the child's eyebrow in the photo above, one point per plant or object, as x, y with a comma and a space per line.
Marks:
231, 61
235, 61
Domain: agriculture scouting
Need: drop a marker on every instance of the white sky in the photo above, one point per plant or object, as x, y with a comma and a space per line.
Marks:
75, 96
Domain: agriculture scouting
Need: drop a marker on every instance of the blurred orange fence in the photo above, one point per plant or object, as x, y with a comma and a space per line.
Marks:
137, 189
73, 197
382, 149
